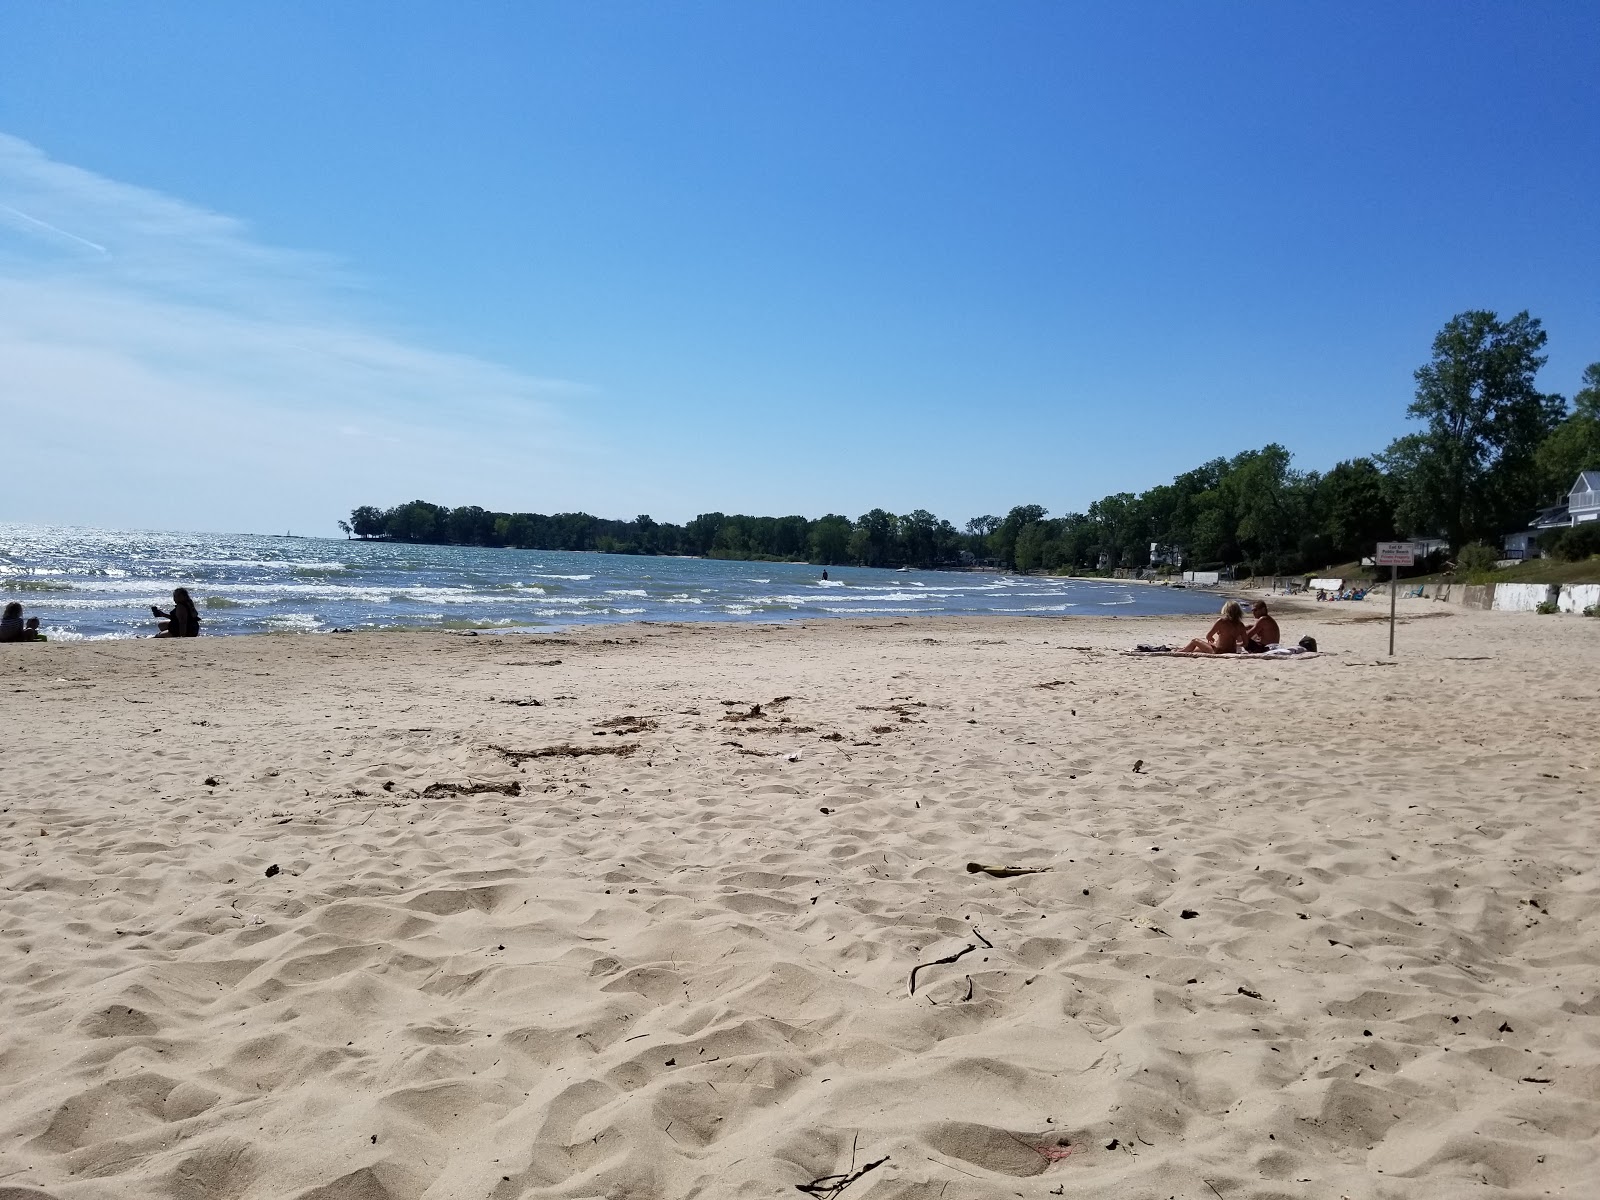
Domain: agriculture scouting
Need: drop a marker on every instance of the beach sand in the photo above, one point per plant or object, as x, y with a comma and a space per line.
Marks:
1327, 928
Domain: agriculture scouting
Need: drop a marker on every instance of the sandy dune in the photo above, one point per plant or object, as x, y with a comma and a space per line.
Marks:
1336, 935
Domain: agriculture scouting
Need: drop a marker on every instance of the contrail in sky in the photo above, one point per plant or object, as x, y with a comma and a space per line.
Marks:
52, 229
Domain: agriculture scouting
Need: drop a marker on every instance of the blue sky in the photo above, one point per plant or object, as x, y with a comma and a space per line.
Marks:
262, 262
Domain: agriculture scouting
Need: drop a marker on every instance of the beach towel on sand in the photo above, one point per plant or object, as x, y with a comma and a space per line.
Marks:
1145, 650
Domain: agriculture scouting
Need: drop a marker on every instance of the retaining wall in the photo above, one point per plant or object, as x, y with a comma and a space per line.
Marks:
1509, 597
1575, 597
1520, 597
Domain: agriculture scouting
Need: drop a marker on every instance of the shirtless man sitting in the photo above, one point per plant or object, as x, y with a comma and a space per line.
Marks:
1264, 633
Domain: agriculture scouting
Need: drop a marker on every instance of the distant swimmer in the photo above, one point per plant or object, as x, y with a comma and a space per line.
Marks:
182, 621
824, 575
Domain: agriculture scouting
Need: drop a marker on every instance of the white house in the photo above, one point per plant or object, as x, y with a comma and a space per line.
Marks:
1582, 505
1165, 556
1583, 501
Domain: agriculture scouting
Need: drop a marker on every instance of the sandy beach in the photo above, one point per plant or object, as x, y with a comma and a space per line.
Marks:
668, 911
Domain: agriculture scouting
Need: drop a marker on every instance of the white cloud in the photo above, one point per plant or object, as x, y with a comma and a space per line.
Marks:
163, 368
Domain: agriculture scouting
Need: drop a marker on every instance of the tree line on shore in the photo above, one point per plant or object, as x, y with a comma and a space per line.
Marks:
1490, 450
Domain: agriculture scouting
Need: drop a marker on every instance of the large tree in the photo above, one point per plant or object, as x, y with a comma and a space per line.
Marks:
1354, 510
1575, 444
1003, 539
830, 539
1470, 472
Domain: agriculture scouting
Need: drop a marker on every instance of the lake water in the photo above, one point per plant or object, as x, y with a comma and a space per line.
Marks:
90, 583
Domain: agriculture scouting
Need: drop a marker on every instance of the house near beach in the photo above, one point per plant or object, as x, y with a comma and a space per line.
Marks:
1581, 505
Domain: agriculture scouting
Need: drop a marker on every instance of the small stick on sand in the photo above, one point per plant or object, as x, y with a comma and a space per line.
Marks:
912, 984
829, 1186
1003, 872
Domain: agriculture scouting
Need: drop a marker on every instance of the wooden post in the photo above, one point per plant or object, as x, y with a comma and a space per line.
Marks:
1394, 589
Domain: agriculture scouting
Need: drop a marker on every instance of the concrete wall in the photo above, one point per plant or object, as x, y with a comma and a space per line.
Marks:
1510, 597
1575, 597
1202, 577
1520, 597
1327, 585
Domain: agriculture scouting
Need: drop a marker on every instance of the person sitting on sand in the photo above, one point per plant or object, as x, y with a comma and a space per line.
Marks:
30, 631
183, 620
1225, 636
1263, 635
11, 629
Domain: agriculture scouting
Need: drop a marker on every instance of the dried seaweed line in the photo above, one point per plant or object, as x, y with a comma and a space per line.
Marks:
434, 790
565, 750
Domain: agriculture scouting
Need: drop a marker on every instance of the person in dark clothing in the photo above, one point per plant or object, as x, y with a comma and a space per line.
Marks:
183, 620
11, 629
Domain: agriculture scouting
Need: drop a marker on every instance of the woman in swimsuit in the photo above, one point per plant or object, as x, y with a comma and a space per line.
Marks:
182, 621
1225, 636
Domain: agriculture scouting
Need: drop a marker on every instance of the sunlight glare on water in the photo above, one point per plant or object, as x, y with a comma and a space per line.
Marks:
89, 583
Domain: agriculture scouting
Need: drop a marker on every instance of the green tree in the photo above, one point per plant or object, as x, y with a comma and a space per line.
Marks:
1268, 504
1003, 539
367, 521
699, 533
830, 540
1470, 472
646, 533
873, 540
417, 521
1354, 509
1575, 444
919, 538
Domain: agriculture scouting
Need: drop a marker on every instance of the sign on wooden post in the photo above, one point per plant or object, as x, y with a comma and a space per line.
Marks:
1395, 555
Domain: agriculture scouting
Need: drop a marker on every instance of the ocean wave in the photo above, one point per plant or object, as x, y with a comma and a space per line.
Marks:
856, 611
876, 598
272, 564
293, 622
